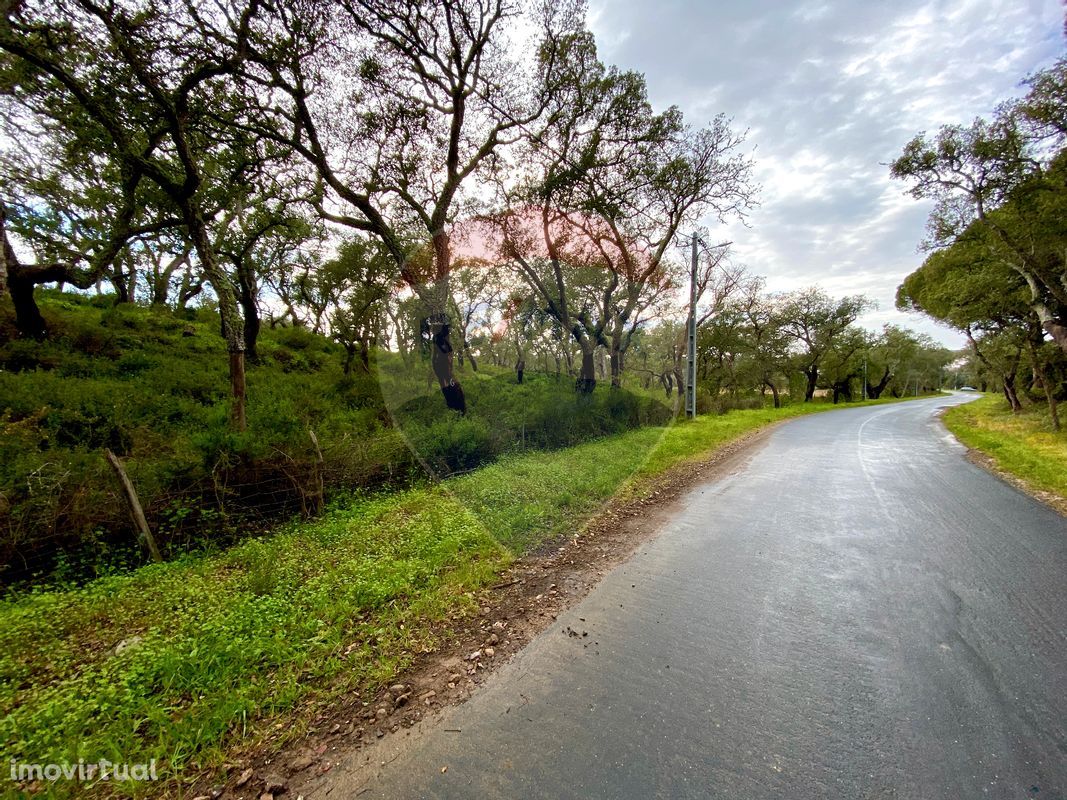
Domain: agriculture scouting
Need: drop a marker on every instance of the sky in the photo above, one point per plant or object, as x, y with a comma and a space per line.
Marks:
829, 93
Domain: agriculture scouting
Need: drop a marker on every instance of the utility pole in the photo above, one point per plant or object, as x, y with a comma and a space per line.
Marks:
691, 366
865, 377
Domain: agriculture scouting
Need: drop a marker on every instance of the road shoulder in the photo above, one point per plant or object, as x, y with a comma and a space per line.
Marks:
984, 438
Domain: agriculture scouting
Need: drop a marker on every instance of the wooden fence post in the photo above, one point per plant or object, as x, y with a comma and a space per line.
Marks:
320, 488
136, 512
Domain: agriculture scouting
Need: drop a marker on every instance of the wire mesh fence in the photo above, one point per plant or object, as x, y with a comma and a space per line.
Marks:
72, 521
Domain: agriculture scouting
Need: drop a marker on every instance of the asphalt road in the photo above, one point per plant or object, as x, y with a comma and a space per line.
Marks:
857, 612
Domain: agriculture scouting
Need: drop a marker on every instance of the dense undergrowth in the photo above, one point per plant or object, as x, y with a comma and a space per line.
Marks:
150, 384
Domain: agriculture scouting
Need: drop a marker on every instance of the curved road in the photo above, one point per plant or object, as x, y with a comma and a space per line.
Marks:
857, 612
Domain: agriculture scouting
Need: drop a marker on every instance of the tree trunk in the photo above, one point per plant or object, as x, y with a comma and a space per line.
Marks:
364, 355
232, 324
615, 359
159, 289
158, 280
188, 288
1049, 322
668, 383
812, 374
159, 283
774, 393
1050, 395
1011, 394
441, 361
23, 279
252, 326
1057, 331
237, 389
467, 352
586, 382
442, 353
20, 284
4, 254
120, 282
28, 317
874, 391
247, 292
1034, 342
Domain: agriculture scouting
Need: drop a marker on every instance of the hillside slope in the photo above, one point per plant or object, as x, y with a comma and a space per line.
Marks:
150, 385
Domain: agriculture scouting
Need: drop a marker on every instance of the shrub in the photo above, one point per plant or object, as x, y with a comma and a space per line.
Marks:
133, 364
455, 443
296, 337
283, 355
22, 355
358, 390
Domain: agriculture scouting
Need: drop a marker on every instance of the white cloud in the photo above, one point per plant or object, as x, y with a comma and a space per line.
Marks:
830, 92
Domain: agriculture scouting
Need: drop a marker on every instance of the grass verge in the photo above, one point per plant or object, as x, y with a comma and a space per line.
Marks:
1023, 445
181, 662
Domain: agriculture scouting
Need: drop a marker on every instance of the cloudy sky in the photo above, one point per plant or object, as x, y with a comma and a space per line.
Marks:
830, 92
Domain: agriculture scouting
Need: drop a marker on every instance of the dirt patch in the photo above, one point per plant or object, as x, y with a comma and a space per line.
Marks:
361, 732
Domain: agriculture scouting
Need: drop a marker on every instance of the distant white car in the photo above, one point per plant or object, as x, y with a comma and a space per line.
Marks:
968, 389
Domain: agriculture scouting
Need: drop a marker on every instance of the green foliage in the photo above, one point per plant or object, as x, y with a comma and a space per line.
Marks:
1022, 444
966, 286
296, 338
455, 444
540, 413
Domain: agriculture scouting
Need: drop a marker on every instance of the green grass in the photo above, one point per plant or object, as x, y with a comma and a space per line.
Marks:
220, 647
223, 642
1023, 445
